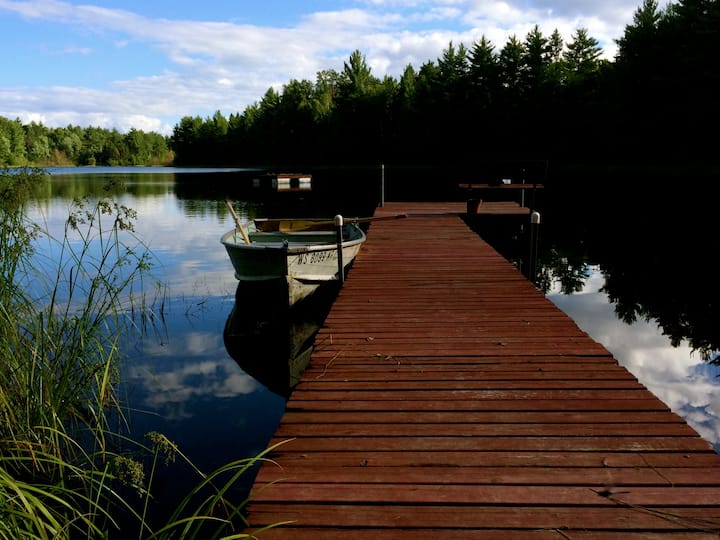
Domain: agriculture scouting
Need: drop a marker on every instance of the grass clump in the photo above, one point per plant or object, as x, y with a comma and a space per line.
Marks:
66, 466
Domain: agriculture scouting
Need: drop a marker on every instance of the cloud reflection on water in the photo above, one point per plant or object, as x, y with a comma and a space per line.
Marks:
676, 375
189, 366
182, 382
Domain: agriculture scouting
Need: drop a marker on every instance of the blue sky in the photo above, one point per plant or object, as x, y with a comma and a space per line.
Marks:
145, 64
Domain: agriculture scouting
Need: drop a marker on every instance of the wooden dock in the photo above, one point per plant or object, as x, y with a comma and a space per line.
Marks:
447, 398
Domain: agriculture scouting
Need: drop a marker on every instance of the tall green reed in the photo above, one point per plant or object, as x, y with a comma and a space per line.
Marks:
60, 323
67, 467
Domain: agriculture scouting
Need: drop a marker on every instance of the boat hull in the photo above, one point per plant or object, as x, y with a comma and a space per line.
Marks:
303, 259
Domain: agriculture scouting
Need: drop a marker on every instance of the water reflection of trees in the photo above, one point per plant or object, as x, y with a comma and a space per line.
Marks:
564, 269
348, 191
652, 239
668, 280
77, 186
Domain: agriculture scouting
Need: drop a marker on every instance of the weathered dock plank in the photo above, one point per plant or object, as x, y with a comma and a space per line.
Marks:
448, 398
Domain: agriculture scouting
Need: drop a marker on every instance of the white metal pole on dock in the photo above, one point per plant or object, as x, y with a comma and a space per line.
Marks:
534, 226
382, 185
338, 230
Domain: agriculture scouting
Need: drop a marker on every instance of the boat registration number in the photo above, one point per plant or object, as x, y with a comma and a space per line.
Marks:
315, 257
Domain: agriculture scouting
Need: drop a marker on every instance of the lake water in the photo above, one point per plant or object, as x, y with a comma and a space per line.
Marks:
185, 377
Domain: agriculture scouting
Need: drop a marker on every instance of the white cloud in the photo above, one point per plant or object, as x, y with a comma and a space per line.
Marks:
73, 49
204, 66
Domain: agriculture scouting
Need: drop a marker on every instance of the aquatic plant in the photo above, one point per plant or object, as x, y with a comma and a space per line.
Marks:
67, 467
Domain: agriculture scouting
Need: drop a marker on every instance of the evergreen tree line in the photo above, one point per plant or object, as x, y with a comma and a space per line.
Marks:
36, 144
537, 98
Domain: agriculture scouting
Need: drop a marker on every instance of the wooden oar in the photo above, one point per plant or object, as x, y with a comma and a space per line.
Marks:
290, 224
237, 221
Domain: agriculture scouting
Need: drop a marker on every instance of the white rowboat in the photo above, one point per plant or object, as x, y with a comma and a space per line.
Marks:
305, 259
